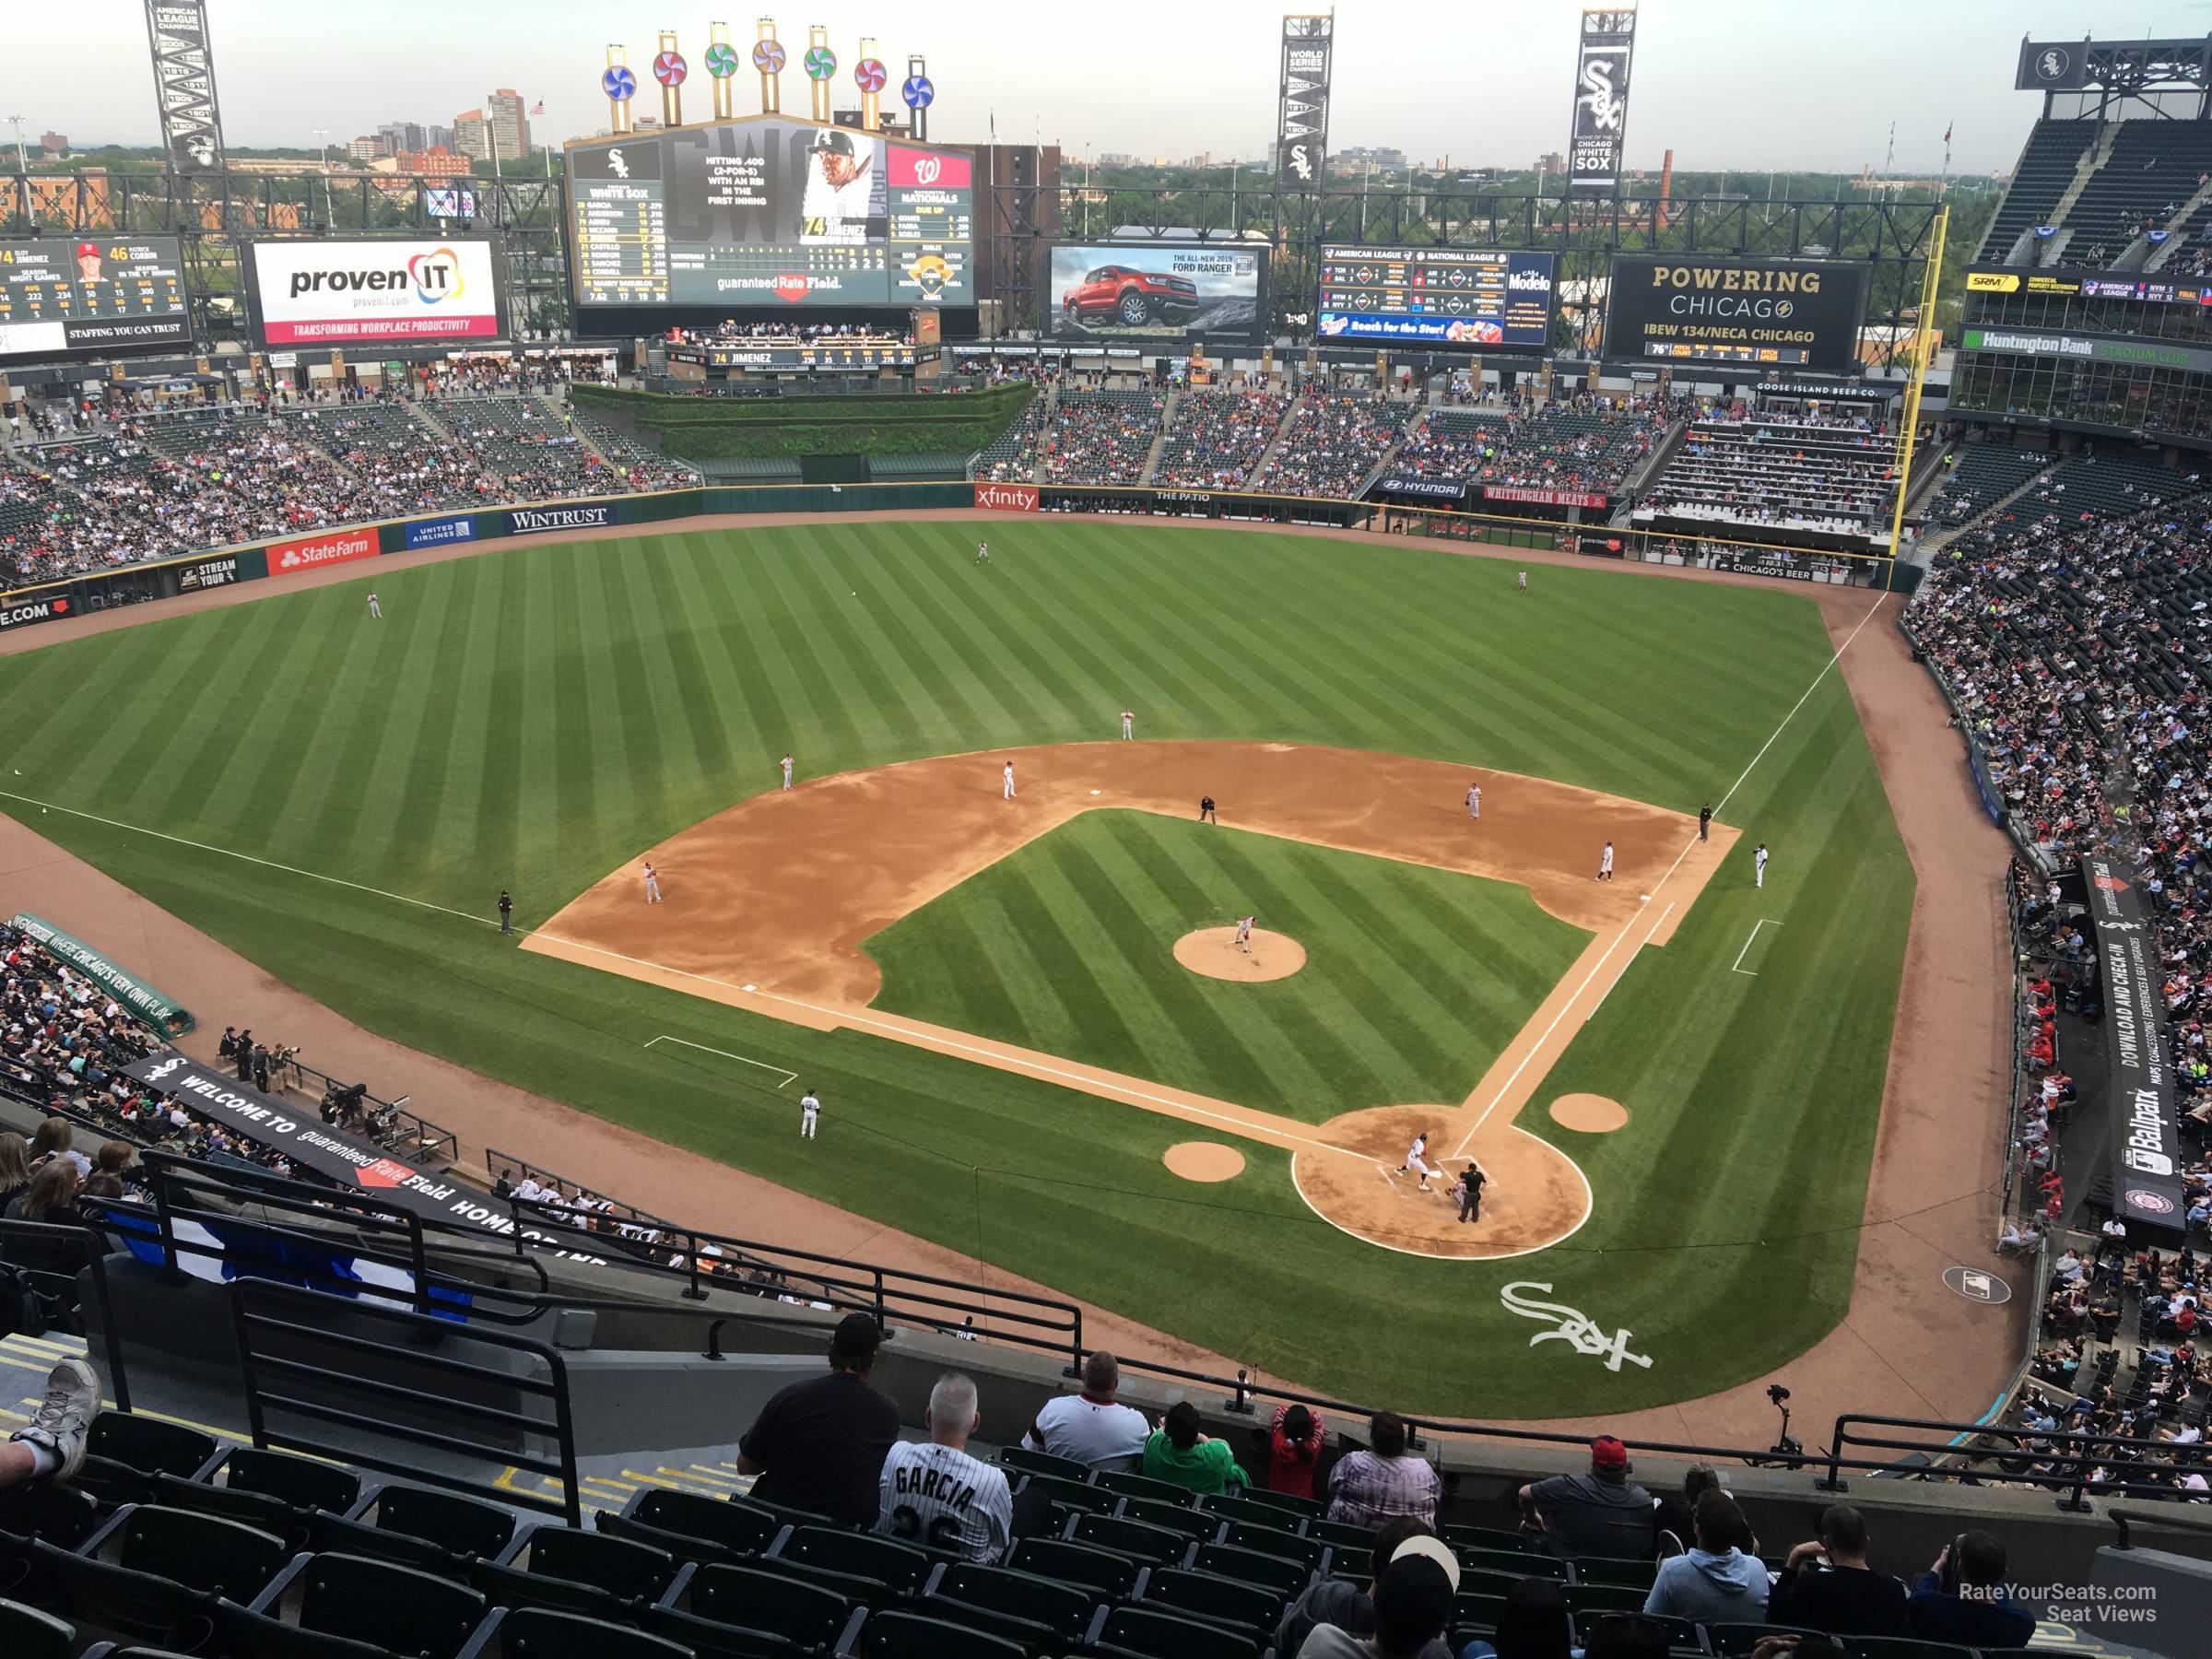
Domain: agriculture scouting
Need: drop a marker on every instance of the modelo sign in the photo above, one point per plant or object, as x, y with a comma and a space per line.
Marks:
1007, 497
1717, 308
289, 559
340, 293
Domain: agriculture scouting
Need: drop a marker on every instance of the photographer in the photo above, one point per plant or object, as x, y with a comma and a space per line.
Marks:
1962, 1598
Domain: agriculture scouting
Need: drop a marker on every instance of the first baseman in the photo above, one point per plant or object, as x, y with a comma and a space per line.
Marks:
1414, 1159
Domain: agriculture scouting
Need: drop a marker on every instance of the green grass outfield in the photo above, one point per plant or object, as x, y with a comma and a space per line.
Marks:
533, 716
1415, 978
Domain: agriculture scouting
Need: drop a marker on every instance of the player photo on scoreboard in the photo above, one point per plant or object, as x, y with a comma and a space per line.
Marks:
845, 197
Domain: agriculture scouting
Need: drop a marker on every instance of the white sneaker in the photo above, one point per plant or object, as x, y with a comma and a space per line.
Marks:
59, 1424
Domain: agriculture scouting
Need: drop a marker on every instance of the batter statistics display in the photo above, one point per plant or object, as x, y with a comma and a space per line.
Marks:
1714, 308
1483, 299
71, 297
766, 211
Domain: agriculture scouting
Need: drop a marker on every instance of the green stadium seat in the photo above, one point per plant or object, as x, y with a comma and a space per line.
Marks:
152, 1572
1209, 1596
1136, 1630
1126, 1485
1905, 1647
26, 1633
250, 1509
300, 1482
678, 1547
753, 1599
1027, 1634
513, 1587
1339, 1535
1603, 1570
1073, 1494
1680, 1632
1303, 1507
59, 1513
712, 1640
901, 1566
1514, 1563
462, 1526
1606, 1598
332, 1535
148, 1444
1099, 1571
1481, 1537
900, 1635
1043, 1462
1178, 1518
1477, 1609
1285, 1578
1062, 1609
535, 1633
1245, 1509
742, 1528
1307, 1552
1154, 1545
1476, 1581
241, 1635
364, 1599
1729, 1638
112, 1485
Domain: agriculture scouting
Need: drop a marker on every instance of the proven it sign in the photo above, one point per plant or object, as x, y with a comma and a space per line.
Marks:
362, 293
289, 559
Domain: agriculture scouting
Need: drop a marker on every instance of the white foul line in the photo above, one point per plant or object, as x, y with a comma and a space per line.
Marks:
1737, 966
1630, 962
788, 1075
1627, 928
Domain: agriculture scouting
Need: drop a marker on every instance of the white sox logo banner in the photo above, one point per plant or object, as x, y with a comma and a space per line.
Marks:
1301, 128
2141, 1127
1594, 143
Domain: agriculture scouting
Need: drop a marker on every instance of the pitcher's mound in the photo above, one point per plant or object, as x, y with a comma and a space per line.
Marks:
1204, 1161
1593, 1114
1213, 952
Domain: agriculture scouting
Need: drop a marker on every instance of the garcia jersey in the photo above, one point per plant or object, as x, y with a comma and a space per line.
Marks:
943, 1499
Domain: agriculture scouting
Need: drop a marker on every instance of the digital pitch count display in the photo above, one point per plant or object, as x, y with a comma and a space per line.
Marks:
766, 211
1478, 298
67, 297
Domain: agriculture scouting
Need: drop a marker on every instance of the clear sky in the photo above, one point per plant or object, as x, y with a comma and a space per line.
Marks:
1741, 84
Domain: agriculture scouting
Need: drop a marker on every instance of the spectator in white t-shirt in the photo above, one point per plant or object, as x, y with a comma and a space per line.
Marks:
1092, 1427
935, 1494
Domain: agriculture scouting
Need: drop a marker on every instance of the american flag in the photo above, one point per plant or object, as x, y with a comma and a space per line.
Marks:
539, 109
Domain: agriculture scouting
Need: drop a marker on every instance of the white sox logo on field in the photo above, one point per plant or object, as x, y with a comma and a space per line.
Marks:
1587, 1336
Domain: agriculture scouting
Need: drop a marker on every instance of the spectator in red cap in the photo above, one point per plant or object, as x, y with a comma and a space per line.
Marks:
1601, 1514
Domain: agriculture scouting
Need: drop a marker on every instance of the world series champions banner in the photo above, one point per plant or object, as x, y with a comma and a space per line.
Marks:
1301, 128
1601, 100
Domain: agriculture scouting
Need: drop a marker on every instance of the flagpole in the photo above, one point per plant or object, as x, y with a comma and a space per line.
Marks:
1943, 189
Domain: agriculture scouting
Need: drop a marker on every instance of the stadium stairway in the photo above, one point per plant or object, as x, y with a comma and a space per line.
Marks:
1160, 438
438, 428
557, 410
1276, 443
1390, 458
1936, 540
2084, 171
2141, 256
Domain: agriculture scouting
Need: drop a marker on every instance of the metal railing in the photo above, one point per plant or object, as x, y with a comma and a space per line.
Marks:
343, 1393
498, 1164
389, 1124
2082, 1453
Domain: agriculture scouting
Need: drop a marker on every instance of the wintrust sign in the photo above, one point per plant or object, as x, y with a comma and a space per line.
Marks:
289, 559
1007, 497
528, 521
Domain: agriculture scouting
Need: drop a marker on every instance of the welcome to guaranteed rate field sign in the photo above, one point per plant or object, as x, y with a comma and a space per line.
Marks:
1721, 309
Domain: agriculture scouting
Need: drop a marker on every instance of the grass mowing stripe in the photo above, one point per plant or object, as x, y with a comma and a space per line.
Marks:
942, 594
1168, 687
456, 681
690, 686
317, 745
948, 709
759, 729
643, 703
401, 786
886, 725
503, 742
171, 761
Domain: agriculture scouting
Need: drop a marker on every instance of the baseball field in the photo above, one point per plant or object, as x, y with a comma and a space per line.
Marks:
1673, 1078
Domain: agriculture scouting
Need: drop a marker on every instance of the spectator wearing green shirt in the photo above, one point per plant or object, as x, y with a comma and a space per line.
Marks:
1177, 1451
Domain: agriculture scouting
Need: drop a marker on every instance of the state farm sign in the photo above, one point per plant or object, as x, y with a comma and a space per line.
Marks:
289, 559
1007, 497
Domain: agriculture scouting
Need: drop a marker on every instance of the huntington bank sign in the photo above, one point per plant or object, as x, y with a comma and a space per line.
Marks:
2143, 1139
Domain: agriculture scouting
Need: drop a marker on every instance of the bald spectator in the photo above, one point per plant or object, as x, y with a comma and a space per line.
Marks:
1093, 1428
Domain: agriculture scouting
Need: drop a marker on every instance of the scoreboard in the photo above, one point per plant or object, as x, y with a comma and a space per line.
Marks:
1483, 299
65, 297
769, 212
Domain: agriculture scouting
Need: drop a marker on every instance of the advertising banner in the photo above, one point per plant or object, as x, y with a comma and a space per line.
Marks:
312, 552
1474, 298
1302, 127
1600, 127
1425, 488
828, 355
1536, 496
2085, 285
438, 532
1007, 498
2052, 66
2086, 348
192, 127
2144, 1137
153, 1008
1163, 292
584, 515
79, 297
197, 575
1722, 309
766, 211
23, 612
309, 291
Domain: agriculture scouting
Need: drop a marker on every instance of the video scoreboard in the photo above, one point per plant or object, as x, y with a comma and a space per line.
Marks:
769, 212
94, 296
1483, 299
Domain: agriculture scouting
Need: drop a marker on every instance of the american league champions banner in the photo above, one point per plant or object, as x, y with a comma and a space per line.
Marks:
191, 126
1301, 128
1601, 98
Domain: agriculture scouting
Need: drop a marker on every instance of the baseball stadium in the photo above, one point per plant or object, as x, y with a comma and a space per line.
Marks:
1422, 910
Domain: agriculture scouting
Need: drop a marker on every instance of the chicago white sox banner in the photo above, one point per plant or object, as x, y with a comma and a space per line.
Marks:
1301, 129
1601, 98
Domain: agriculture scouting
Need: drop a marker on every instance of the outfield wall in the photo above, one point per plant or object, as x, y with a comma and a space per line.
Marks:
206, 569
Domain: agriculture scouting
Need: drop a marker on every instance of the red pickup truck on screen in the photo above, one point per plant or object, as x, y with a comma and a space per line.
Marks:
1131, 297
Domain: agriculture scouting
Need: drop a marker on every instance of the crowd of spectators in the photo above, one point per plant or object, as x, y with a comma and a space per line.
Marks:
1217, 436
1587, 443
1795, 471
1334, 439
1101, 438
